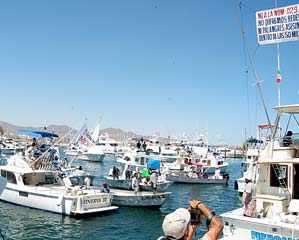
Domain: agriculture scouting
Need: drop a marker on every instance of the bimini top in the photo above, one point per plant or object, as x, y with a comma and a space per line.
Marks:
287, 109
39, 134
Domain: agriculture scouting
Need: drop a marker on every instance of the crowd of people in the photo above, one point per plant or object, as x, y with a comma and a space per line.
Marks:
146, 177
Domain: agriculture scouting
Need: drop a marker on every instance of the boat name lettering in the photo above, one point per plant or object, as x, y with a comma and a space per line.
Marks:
265, 236
94, 201
152, 197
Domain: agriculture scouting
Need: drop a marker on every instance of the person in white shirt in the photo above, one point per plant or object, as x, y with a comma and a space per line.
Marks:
154, 180
135, 183
249, 199
217, 173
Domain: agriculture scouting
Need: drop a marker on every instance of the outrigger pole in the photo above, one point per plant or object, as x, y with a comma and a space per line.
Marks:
278, 65
258, 82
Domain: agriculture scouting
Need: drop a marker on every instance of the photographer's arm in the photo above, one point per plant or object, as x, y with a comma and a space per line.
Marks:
216, 225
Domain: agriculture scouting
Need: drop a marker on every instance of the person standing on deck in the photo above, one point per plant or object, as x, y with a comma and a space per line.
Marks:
249, 199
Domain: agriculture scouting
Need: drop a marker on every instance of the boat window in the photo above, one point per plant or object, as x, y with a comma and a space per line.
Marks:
76, 181
142, 160
278, 175
3, 173
11, 178
79, 180
49, 178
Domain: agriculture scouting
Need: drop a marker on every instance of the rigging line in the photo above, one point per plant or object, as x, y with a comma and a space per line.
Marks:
258, 82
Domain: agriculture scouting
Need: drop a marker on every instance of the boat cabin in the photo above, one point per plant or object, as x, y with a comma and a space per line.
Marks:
36, 178
277, 172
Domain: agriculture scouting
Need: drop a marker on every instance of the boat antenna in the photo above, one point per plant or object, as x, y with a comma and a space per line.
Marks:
257, 79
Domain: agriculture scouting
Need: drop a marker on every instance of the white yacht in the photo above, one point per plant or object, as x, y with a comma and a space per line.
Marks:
276, 180
209, 162
45, 190
200, 153
32, 182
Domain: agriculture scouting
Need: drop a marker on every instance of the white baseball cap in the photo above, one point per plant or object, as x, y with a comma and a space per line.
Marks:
176, 223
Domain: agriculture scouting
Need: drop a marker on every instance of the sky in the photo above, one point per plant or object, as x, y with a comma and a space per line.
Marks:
168, 67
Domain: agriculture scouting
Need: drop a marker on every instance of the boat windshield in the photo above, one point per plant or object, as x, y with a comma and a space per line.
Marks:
79, 180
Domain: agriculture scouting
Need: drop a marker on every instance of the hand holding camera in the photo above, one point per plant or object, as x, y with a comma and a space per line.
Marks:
206, 212
195, 212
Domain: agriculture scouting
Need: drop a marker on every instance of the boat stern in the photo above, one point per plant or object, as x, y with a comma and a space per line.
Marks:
93, 203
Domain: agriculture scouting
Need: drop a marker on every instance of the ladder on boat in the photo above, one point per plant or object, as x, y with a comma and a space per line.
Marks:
44, 162
282, 182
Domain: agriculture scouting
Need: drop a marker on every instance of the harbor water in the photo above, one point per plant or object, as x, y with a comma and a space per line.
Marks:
17, 222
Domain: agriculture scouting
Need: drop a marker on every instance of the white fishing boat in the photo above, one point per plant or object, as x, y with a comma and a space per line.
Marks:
139, 199
197, 176
275, 188
82, 147
209, 162
33, 183
123, 182
277, 192
126, 184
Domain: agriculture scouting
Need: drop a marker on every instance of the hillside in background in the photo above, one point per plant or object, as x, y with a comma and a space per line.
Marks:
68, 132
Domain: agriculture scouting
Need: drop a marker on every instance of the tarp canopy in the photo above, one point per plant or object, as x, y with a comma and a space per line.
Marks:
39, 134
153, 164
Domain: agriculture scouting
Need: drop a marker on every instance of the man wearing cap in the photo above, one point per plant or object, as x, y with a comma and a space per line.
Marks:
249, 200
177, 225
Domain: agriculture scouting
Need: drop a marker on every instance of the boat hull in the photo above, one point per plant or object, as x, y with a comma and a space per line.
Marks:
127, 183
139, 199
57, 200
237, 226
91, 157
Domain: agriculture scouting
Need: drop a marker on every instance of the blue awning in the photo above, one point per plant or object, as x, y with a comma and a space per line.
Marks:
38, 134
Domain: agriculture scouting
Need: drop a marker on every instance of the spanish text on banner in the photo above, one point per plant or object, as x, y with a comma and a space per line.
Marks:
278, 25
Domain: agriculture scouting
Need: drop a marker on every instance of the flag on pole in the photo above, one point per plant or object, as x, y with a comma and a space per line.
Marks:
278, 77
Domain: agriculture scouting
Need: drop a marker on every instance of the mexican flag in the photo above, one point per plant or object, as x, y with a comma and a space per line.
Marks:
278, 77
